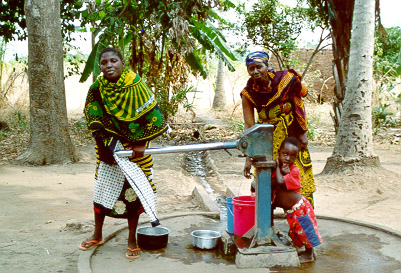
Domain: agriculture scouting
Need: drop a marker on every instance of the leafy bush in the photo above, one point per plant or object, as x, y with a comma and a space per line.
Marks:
387, 55
13, 122
79, 125
169, 105
3, 135
381, 116
313, 122
19, 121
237, 125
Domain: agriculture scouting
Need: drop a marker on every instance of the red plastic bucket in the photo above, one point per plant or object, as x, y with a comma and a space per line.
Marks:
244, 214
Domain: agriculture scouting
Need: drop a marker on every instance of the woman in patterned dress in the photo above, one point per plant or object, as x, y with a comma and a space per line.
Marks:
277, 98
122, 113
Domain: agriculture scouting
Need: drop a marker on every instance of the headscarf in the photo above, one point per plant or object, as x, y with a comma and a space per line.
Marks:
257, 57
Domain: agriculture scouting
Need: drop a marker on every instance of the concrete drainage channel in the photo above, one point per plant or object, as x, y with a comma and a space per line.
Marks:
348, 245
200, 165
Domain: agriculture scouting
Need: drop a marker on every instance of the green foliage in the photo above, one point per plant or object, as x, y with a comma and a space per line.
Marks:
162, 41
398, 99
69, 11
270, 25
3, 135
276, 27
79, 125
13, 26
74, 60
18, 121
387, 55
12, 20
92, 64
156, 27
21, 120
312, 134
193, 59
381, 116
169, 104
237, 125
12, 123
313, 123
212, 39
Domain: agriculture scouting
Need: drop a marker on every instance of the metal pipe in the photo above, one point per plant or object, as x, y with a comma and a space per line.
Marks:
184, 148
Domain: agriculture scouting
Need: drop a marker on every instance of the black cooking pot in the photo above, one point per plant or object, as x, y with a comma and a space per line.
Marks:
152, 237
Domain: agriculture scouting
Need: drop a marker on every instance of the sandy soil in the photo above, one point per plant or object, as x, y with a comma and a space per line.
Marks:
45, 212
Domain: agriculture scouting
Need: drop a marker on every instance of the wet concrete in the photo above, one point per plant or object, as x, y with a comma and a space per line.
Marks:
347, 247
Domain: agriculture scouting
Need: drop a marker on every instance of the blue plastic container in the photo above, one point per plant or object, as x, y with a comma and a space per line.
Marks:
230, 215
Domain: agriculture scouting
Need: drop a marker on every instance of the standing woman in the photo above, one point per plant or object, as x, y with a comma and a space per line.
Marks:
277, 98
122, 113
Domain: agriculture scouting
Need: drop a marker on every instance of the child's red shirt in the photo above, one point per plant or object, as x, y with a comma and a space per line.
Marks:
293, 179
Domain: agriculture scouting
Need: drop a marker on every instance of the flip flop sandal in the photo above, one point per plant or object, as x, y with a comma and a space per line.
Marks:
93, 242
132, 256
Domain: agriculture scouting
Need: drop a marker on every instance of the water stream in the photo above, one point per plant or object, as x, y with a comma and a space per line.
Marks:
198, 164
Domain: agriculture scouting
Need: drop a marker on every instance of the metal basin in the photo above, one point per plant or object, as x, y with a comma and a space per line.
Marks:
152, 237
205, 239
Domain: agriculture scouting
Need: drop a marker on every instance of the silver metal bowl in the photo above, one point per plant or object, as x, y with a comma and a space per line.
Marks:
205, 239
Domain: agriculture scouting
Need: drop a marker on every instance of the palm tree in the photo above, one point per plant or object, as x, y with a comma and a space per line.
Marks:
219, 101
354, 142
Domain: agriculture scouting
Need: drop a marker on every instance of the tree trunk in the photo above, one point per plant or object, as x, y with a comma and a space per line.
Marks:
354, 141
219, 101
49, 141
340, 18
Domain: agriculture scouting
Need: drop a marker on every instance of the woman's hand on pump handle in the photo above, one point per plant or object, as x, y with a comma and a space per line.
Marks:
138, 149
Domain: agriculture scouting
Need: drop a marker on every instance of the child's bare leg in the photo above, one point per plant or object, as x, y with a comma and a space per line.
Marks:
307, 255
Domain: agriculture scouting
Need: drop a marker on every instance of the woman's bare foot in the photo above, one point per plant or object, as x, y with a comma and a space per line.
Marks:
90, 243
133, 253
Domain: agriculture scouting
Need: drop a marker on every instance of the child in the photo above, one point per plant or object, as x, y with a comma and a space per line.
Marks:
286, 187
253, 188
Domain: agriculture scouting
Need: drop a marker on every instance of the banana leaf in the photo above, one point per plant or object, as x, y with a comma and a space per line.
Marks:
195, 62
211, 38
92, 64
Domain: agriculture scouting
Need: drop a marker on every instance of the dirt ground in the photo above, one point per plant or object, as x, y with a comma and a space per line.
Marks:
45, 212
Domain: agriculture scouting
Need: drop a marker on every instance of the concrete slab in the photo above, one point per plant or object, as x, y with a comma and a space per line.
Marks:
348, 246
203, 198
261, 258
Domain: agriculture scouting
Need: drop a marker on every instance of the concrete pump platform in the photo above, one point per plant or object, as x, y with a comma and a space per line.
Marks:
348, 246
